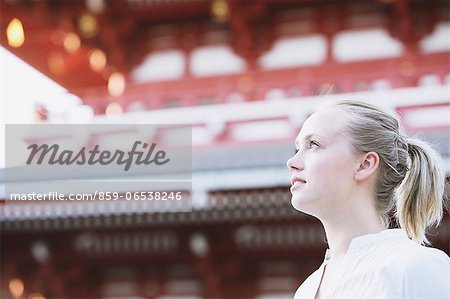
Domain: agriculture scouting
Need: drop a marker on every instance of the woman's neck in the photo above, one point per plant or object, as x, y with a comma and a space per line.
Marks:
343, 226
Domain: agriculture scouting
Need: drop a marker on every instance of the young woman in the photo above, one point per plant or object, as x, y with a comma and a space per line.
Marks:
354, 170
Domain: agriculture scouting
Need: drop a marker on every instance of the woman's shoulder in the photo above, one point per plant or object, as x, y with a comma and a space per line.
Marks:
405, 266
421, 258
423, 272
411, 253
427, 274
407, 254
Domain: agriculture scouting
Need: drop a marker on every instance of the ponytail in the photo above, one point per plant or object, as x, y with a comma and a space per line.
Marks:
419, 198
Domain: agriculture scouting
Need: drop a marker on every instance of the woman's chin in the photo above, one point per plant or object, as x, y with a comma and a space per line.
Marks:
300, 204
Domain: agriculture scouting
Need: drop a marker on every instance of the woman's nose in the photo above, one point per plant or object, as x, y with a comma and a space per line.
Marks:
293, 163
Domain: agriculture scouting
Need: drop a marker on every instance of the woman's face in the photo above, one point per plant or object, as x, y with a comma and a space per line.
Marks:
322, 170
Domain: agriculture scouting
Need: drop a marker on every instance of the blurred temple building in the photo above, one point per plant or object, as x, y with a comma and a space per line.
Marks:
244, 75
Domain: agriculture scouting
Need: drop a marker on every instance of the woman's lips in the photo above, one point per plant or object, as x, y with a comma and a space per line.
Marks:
296, 182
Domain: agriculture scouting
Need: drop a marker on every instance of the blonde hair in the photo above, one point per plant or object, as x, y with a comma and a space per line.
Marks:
410, 179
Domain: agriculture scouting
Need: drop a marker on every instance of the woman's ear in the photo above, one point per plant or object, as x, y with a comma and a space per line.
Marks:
369, 163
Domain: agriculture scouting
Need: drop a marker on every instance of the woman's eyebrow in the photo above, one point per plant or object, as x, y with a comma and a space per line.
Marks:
308, 137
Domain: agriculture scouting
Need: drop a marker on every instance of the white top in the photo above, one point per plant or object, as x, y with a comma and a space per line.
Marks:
386, 265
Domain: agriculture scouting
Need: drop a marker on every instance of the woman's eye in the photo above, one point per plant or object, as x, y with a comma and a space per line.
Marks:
313, 144
295, 151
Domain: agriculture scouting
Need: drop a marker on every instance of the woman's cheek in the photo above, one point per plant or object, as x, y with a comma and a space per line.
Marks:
330, 171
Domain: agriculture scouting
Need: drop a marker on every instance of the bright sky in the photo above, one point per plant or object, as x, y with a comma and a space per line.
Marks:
21, 86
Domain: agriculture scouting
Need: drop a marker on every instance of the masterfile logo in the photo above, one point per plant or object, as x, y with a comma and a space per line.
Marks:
95, 156
106, 162
63, 151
